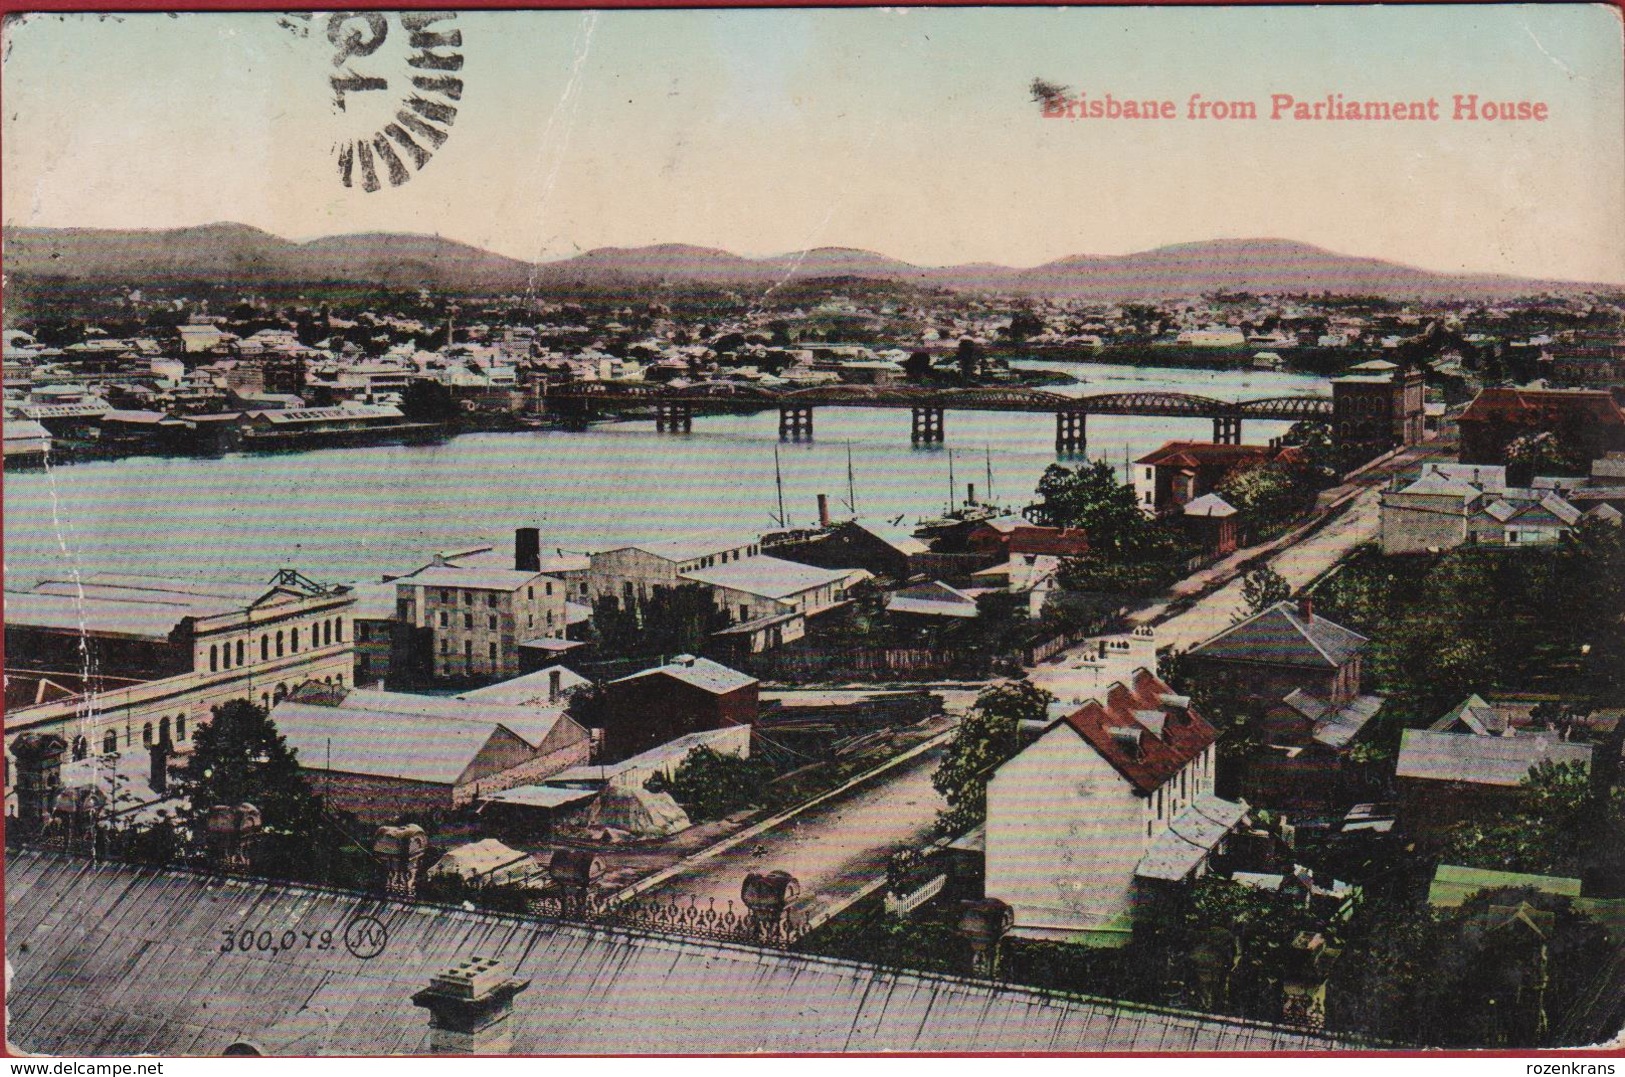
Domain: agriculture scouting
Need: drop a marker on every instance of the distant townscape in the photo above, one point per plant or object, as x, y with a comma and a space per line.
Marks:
1304, 735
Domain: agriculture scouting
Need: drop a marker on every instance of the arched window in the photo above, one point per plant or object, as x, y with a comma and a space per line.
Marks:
280, 694
163, 729
146, 735
265, 701
293, 641
225, 656
265, 647
338, 679
110, 743
240, 649
214, 658
81, 747
180, 727
279, 643
338, 629
327, 633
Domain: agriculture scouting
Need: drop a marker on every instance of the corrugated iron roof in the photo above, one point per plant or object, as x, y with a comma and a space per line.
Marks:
117, 960
1281, 635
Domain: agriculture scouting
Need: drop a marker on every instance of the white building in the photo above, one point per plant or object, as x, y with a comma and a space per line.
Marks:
1114, 801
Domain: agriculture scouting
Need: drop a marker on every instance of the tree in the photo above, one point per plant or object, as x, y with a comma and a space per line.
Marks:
1545, 453
917, 367
425, 401
1267, 494
970, 357
1024, 324
1262, 588
1560, 823
988, 736
239, 757
710, 784
1091, 498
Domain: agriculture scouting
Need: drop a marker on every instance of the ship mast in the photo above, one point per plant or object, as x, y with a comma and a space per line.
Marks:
953, 491
988, 450
851, 482
778, 481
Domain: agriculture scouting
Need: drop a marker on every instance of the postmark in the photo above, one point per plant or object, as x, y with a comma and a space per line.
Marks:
395, 80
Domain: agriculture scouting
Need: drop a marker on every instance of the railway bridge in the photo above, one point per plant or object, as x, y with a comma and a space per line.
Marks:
674, 406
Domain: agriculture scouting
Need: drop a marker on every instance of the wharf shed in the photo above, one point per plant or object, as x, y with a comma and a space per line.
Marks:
111, 959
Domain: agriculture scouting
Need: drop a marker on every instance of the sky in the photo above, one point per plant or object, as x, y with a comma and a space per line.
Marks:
907, 131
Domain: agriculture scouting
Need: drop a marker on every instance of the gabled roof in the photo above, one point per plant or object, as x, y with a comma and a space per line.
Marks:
935, 599
694, 544
529, 688
1282, 635
769, 577
1156, 758
411, 747
1205, 454
531, 723
1531, 406
1475, 716
1210, 505
702, 673
1465, 757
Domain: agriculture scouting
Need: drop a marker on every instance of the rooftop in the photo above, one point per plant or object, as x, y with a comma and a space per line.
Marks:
1144, 757
1190, 837
383, 744
471, 579
1467, 757
1283, 635
769, 577
702, 673
692, 545
594, 990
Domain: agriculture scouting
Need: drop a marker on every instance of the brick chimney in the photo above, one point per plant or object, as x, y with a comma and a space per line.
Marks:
823, 510
399, 849
1306, 608
555, 685
469, 1006
39, 776
527, 549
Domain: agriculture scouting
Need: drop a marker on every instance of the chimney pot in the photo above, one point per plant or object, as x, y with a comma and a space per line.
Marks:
469, 1005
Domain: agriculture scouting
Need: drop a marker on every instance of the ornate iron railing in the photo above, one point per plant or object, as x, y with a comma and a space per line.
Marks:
673, 915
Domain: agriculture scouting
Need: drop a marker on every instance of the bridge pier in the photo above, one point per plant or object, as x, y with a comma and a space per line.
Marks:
678, 418
1070, 433
796, 423
927, 429
1227, 430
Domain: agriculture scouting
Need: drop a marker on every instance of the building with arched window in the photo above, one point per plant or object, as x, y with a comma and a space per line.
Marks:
167, 652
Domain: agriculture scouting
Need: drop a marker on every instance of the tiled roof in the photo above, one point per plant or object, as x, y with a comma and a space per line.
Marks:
1185, 734
113, 960
1281, 635
1205, 453
1532, 406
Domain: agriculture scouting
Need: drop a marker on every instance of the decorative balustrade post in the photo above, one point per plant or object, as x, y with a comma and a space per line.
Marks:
767, 896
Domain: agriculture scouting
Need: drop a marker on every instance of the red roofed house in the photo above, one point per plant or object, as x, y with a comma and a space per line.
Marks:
1112, 803
1182, 471
1589, 420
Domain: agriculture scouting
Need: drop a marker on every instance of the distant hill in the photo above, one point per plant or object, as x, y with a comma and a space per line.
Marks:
238, 254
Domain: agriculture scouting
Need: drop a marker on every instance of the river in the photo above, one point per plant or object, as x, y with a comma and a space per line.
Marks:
348, 515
